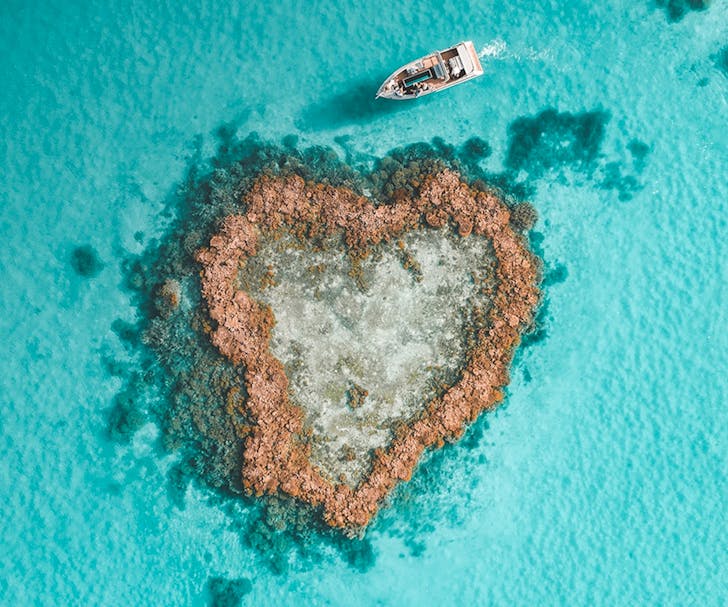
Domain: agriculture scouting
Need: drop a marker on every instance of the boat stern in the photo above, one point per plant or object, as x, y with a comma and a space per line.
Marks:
469, 58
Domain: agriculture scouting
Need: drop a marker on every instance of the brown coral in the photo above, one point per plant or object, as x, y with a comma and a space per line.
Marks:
356, 395
167, 297
524, 216
275, 456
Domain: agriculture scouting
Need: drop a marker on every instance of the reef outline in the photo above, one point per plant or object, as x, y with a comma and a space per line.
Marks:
275, 456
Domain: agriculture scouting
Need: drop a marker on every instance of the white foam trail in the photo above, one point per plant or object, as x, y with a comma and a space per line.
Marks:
493, 49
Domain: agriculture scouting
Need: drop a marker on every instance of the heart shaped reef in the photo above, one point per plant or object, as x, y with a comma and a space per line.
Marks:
392, 330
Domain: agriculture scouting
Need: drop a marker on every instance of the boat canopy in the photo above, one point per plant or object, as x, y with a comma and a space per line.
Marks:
465, 58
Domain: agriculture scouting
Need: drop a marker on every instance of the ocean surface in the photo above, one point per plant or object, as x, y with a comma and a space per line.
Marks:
602, 479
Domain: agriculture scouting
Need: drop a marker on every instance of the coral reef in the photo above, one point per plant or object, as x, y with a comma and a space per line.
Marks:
198, 396
276, 453
167, 297
523, 216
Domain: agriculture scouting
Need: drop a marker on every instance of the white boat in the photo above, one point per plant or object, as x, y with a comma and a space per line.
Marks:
432, 73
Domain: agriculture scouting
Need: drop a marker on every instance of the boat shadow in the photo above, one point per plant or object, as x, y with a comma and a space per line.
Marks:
355, 105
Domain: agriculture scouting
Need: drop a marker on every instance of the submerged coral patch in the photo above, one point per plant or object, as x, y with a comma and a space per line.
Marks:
721, 60
125, 416
552, 139
676, 10
639, 151
85, 261
228, 593
568, 146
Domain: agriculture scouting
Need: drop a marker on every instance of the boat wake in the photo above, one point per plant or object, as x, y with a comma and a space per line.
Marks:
498, 49
493, 49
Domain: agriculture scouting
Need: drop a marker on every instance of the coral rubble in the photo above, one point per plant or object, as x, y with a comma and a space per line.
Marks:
276, 442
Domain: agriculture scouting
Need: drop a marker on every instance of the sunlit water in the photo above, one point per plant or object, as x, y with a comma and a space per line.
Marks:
602, 479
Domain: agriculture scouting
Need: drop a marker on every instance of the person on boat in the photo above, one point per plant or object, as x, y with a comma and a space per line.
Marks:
420, 88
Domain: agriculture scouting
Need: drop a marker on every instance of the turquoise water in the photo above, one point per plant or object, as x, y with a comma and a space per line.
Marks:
601, 481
